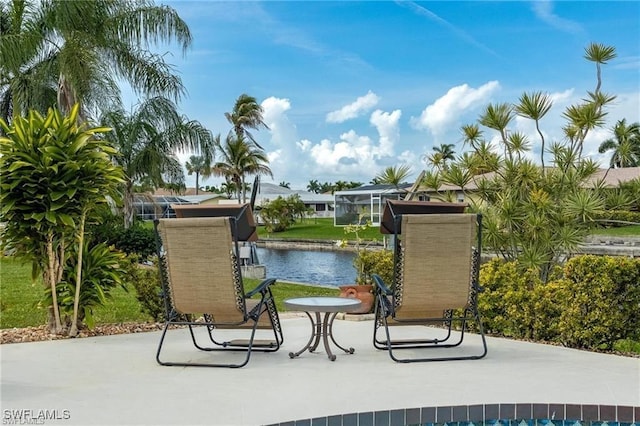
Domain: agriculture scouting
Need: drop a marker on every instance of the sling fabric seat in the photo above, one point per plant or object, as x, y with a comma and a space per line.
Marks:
436, 268
201, 276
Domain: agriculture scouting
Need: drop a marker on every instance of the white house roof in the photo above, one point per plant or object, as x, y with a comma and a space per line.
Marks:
269, 191
375, 189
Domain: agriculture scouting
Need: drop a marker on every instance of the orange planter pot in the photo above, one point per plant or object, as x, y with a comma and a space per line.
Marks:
364, 293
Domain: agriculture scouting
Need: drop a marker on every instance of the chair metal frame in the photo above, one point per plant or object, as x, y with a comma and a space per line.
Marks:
247, 314
389, 299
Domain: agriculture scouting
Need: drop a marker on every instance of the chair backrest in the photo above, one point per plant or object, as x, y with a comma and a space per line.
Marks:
436, 269
202, 269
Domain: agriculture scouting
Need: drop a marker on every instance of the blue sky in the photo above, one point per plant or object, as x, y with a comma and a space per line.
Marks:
352, 87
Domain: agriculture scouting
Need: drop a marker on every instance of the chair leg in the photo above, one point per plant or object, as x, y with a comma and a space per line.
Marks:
248, 349
391, 346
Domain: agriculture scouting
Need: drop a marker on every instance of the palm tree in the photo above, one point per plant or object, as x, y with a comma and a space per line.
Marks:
393, 175
83, 49
246, 114
314, 186
199, 165
625, 145
26, 80
240, 159
285, 184
441, 156
147, 141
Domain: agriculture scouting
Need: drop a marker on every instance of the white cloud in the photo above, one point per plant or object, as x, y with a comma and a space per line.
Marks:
354, 109
274, 115
445, 112
544, 11
387, 125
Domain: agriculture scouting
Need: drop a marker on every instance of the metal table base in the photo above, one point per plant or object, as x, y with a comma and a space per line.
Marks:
321, 329
322, 325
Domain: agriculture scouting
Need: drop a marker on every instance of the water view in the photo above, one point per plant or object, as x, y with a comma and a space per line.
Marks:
307, 266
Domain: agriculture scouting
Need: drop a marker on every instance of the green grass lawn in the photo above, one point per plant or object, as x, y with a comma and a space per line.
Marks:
631, 230
320, 229
20, 297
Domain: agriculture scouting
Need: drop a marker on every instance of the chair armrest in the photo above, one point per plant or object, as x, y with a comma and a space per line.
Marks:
380, 286
261, 288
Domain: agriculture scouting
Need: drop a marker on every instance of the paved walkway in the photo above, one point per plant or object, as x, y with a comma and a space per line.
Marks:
114, 380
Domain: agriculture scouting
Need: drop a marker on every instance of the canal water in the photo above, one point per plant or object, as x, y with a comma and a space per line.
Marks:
332, 268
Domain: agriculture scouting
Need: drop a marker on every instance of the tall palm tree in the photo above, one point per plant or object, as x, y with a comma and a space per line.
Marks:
86, 48
239, 160
199, 165
147, 141
625, 145
246, 114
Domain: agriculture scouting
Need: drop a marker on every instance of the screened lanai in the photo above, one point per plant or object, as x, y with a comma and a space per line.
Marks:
157, 206
365, 203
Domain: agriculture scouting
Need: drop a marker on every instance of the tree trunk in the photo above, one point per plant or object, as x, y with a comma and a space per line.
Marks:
53, 281
76, 301
127, 205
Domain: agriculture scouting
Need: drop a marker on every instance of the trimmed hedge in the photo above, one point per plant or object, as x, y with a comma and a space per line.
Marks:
618, 217
593, 304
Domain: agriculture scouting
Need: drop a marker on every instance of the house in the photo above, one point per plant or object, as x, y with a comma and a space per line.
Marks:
321, 205
158, 204
612, 178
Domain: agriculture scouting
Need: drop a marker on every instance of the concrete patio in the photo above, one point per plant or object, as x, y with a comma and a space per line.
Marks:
115, 380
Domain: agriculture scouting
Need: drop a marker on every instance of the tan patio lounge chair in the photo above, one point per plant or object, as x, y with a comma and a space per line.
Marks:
201, 277
436, 260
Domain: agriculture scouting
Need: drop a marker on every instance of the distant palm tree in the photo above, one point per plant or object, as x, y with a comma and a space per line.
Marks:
314, 186
240, 159
200, 166
441, 156
285, 184
393, 175
147, 141
246, 114
625, 145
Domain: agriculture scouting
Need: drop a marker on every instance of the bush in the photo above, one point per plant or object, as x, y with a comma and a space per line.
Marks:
138, 239
369, 262
146, 281
278, 215
507, 302
593, 305
102, 271
600, 301
615, 218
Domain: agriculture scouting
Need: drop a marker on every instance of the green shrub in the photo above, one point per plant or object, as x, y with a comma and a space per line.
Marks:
593, 305
102, 271
146, 281
138, 239
369, 262
507, 303
600, 301
613, 218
